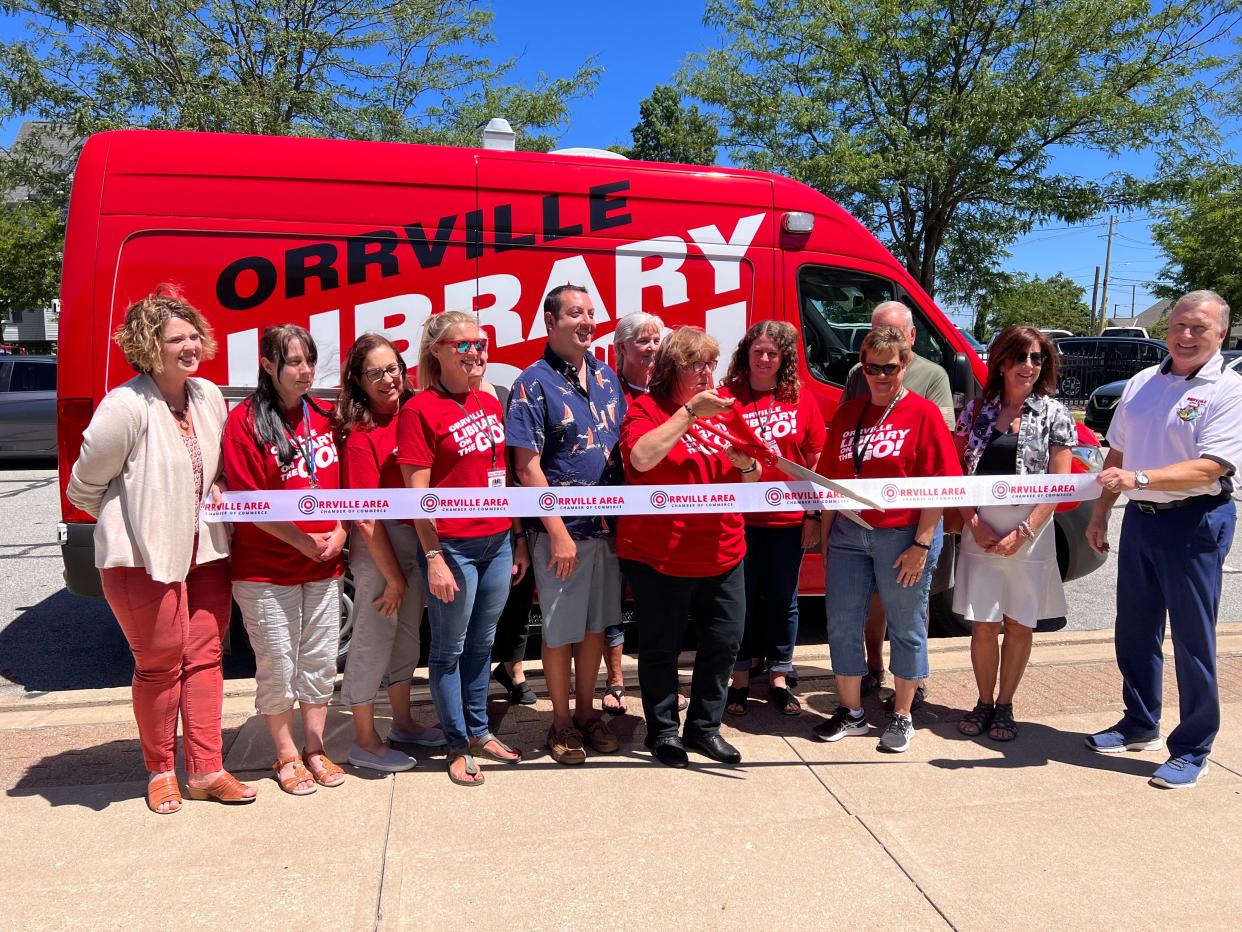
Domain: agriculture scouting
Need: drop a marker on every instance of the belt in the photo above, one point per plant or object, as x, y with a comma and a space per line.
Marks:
1150, 508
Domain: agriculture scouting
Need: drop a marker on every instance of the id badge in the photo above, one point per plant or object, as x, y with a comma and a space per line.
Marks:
495, 478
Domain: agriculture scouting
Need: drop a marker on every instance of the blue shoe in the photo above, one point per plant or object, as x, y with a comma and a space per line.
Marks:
1116, 741
1178, 773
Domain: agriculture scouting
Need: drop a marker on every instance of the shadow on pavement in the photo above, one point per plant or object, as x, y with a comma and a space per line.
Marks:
69, 642
1038, 745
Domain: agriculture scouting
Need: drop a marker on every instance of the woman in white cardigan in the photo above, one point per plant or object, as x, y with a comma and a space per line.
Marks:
149, 455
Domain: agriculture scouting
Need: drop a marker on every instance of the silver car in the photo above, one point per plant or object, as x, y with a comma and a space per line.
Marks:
27, 406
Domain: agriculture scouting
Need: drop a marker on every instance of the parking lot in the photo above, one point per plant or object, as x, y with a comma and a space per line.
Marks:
52, 640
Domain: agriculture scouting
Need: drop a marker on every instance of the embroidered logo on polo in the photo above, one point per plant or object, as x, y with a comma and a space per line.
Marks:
1192, 409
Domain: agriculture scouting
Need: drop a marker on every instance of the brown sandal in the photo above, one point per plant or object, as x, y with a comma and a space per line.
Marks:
226, 788
328, 774
300, 775
163, 789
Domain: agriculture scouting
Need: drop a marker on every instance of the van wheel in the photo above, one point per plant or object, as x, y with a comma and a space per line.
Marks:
347, 620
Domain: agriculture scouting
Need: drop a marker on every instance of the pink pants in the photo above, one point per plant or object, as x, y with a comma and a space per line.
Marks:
174, 632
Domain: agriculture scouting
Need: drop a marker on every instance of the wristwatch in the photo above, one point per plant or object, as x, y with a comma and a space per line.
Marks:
1140, 480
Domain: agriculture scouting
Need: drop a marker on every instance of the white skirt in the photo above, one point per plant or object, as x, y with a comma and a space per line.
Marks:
1025, 586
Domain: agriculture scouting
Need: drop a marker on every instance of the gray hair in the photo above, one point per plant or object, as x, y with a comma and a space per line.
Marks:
885, 307
631, 325
1196, 299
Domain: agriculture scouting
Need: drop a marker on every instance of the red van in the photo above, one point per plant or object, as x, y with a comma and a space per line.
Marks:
344, 237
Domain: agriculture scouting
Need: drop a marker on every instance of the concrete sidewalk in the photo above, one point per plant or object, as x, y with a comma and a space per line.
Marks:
955, 833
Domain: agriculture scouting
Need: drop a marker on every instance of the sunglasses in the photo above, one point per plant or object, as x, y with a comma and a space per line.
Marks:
1037, 359
871, 368
463, 346
377, 374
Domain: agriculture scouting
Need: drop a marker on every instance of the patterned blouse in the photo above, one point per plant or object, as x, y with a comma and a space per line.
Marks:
1046, 423
196, 462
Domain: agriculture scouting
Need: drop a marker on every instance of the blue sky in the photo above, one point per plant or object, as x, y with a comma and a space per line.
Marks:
651, 41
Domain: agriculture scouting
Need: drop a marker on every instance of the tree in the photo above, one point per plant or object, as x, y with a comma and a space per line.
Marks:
935, 121
31, 238
1201, 236
1046, 303
668, 132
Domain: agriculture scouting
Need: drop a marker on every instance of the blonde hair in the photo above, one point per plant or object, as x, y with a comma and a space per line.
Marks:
140, 337
683, 346
434, 329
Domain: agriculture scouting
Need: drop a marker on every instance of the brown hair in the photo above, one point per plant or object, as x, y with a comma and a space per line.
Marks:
885, 340
1007, 344
434, 328
140, 337
682, 347
786, 339
265, 405
353, 406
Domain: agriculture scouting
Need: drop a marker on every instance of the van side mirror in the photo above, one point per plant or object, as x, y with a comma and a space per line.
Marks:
961, 380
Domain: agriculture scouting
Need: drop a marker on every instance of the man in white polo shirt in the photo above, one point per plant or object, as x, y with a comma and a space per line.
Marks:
1175, 446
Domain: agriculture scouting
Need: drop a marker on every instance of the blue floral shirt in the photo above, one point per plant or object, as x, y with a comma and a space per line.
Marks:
1046, 423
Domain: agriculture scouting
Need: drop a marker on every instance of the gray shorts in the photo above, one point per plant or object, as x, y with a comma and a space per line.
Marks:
589, 600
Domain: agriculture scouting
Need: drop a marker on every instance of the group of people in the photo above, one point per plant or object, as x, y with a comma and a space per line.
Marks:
163, 442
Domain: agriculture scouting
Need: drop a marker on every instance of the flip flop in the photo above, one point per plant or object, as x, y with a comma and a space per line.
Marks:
472, 769
617, 691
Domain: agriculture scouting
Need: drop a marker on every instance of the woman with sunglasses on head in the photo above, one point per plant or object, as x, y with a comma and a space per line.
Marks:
890, 434
684, 569
383, 557
1007, 573
452, 434
287, 574
763, 377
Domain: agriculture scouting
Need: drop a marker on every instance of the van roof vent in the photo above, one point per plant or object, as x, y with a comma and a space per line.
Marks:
498, 134
587, 150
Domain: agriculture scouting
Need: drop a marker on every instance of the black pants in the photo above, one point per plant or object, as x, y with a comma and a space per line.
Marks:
513, 626
666, 606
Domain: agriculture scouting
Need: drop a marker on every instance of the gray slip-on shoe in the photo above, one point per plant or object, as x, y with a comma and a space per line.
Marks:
391, 761
431, 737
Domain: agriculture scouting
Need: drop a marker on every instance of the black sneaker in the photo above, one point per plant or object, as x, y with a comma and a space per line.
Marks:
897, 735
920, 696
872, 681
840, 725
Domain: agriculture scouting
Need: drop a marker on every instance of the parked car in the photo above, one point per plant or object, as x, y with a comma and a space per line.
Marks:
27, 406
980, 350
1089, 362
1055, 333
1140, 332
1103, 401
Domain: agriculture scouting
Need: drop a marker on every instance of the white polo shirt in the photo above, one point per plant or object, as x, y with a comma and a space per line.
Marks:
1164, 418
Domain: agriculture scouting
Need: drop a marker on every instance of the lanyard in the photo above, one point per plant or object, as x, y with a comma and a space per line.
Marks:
487, 429
766, 437
307, 452
860, 452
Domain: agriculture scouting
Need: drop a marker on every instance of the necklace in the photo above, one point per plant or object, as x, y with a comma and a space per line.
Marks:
182, 417
761, 416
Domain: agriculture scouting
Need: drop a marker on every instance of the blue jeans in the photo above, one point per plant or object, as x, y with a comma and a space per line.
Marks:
1170, 564
462, 632
773, 565
859, 562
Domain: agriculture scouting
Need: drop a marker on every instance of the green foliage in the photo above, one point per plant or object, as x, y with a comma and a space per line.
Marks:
935, 121
1045, 303
668, 132
1201, 236
32, 235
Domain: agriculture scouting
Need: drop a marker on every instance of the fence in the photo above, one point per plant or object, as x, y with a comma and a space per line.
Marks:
1079, 376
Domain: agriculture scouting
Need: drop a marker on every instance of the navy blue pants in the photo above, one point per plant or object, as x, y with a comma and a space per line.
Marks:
773, 565
1170, 563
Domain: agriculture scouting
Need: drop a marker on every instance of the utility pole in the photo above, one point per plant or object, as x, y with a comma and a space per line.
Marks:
1108, 261
1095, 294
1133, 298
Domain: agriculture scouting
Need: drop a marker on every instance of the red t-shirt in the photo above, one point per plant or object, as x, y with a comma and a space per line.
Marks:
370, 455
257, 556
794, 430
913, 442
694, 545
462, 439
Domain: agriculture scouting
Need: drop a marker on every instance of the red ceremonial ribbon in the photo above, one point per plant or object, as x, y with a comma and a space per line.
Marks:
731, 426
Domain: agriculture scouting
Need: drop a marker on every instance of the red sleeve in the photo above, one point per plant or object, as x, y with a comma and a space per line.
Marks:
638, 421
816, 433
937, 455
362, 469
830, 464
244, 468
414, 443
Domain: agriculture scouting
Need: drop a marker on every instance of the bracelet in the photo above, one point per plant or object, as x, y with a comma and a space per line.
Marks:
1026, 530
433, 553
813, 516
690, 411
754, 465
920, 545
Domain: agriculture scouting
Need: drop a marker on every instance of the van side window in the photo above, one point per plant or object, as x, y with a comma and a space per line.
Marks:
32, 377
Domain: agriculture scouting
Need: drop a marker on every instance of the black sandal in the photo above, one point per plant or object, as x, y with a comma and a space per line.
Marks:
515, 693
1003, 720
738, 696
782, 698
976, 721
617, 691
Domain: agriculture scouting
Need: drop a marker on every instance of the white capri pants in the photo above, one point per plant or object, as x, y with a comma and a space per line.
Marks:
295, 632
383, 651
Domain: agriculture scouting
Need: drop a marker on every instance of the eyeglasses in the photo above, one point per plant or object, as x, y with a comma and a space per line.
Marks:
703, 365
1037, 359
463, 346
871, 368
377, 374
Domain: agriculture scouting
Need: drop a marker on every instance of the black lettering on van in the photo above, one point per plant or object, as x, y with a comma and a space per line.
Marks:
227, 292
474, 234
603, 205
430, 253
552, 228
503, 221
314, 261
359, 254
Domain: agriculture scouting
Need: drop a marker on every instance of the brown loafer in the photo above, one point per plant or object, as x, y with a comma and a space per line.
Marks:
566, 746
599, 737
